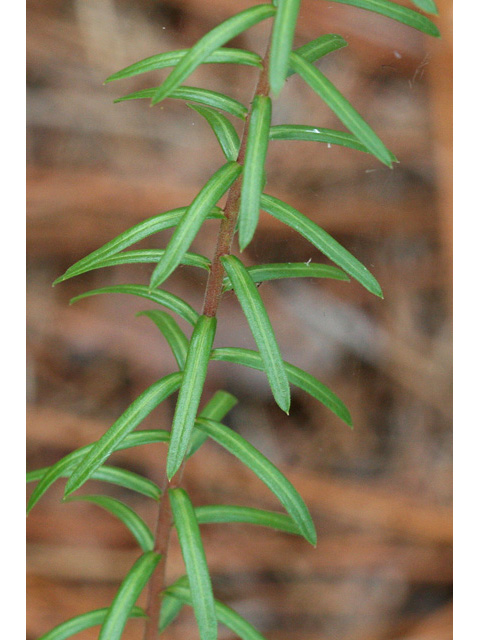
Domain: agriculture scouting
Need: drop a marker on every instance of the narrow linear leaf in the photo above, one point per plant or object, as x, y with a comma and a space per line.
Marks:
84, 621
190, 391
320, 47
35, 475
223, 129
396, 12
130, 589
341, 107
131, 418
261, 329
219, 513
136, 233
175, 337
112, 475
171, 607
209, 43
164, 298
227, 616
282, 39
215, 409
203, 96
266, 471
253, 170
192, 220
218, 406
48, 475
276, 271
195, 563
172, 58
322, 241
145, 436
145, 256
128, 480
319, 134
296, 376
428, 6
123, 512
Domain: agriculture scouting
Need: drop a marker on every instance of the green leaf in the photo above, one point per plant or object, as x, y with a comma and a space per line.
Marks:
341, 107
209, 43
428, 6
316, 49
84, 621
131, 418
166, 299
282, 40
145, 436
127, 238
195, 563
223, 130
224, 614
396, 12
203, 96
318, 134
261, 328
145, 256
127, 595
171, 607
218, 513
130, 519
266, 471
35, 475
190, 392
127, 479
175, 337
113, 475
172, 58
194, 217
322, 241
48, 475
297, 377
253, 170
215, 409
276, 271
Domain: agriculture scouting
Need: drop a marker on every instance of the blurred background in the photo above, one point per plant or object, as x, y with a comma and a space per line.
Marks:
380, 495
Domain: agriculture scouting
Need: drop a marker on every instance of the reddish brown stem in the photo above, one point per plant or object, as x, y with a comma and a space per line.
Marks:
226, 233
162, 542
213, 295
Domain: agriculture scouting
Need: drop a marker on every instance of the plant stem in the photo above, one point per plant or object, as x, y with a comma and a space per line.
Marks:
213, 294
226, 233
162, 541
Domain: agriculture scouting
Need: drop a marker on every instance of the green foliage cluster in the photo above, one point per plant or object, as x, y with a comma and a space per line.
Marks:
243, 176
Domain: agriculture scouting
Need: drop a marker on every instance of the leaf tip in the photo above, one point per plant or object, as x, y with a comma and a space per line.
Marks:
172, 467
65, 276
158, 97
284, 402
242, 245
310, 534
70, 487
276, 89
